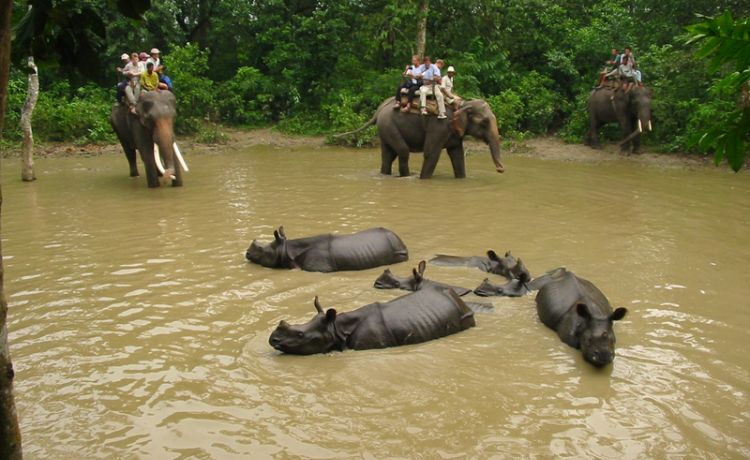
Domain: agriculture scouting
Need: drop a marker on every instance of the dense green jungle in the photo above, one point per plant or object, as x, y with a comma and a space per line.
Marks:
311, 67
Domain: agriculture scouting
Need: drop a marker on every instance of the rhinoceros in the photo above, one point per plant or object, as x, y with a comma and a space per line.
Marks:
329, 253
580, 314
417, 317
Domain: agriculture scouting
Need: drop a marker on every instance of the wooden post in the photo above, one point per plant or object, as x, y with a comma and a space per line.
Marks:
27, 152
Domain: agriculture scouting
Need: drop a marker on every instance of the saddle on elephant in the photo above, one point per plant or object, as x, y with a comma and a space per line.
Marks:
432, 105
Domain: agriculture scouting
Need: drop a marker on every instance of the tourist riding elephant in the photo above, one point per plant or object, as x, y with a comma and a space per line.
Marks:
402, 133
631, 109
150, 132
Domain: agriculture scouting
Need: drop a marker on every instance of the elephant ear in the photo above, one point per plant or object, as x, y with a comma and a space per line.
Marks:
459, 122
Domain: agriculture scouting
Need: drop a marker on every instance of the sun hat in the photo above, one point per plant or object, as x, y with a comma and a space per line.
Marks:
451, 69
125, 56
155, 51
143, 56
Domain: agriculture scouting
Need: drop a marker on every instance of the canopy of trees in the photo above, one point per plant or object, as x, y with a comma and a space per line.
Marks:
323, 66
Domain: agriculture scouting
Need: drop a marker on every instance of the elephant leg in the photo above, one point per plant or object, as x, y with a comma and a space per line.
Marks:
636, 144
387, 157
592, 136
627, 128
456, 154
177, 181
431, 157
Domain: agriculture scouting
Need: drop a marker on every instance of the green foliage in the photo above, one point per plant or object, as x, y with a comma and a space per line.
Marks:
248, 98
194, 91
726, 43
81, 116
508, 108
210, 134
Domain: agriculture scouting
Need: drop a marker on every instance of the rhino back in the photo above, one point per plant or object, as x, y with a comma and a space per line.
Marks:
425, 315
556, 298
367, 249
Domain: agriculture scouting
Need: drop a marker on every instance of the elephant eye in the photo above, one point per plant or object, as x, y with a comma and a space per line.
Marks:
300, 334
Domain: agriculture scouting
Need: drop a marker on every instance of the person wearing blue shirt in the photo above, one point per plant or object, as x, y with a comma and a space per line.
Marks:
431, 85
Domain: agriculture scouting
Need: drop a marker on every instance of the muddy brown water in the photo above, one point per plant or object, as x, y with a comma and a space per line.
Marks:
138, 330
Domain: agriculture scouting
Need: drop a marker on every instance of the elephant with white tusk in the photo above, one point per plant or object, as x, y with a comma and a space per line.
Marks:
631, 109
150, 131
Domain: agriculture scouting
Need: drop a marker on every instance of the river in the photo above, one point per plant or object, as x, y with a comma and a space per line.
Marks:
139, 330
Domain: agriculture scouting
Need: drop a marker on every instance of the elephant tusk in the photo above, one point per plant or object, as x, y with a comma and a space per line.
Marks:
157, 159
640, 126
649, 125
179, 157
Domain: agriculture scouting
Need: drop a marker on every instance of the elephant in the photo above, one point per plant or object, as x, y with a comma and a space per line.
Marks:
420, 316
402, 133
150, 132
631, 109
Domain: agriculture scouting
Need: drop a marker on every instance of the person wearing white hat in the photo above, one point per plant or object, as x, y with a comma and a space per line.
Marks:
447, 85
125, 58
156, 60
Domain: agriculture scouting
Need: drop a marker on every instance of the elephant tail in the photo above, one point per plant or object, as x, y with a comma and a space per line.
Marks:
369, 123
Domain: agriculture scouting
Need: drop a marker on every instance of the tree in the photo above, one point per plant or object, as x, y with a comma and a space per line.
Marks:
424, 8
32, 95
10, 434
726, 43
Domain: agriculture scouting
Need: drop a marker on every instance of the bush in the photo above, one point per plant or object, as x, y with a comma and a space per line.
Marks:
210, 134
508, 108
81, 116
248, 98
195, 93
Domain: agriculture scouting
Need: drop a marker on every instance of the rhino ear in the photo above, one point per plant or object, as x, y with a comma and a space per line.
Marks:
282, 234
493, 255
277, 236
318, 307
583, 310
331, 315
618, 314
421, 267
418, 279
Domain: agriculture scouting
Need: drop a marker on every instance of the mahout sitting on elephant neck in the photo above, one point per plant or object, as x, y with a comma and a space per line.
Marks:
329, 253
420, 316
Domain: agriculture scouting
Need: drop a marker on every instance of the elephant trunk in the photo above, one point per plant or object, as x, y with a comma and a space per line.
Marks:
493, 140
164, 139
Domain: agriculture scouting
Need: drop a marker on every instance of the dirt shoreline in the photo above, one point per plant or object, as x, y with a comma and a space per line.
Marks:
548, 148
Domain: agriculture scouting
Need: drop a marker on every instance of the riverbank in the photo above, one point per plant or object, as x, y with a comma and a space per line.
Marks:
548, 148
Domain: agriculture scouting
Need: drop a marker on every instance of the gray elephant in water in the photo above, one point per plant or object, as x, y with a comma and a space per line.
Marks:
150, 132
402, 133
631, 109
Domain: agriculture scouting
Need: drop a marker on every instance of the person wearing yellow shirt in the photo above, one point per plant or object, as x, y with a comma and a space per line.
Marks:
149, 78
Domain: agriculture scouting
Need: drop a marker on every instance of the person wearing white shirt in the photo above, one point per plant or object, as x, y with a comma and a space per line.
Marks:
430, 80
447, 85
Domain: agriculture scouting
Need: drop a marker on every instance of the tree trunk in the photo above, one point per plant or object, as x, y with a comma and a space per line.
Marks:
10, 434
422, 28
27, 152
5, 14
